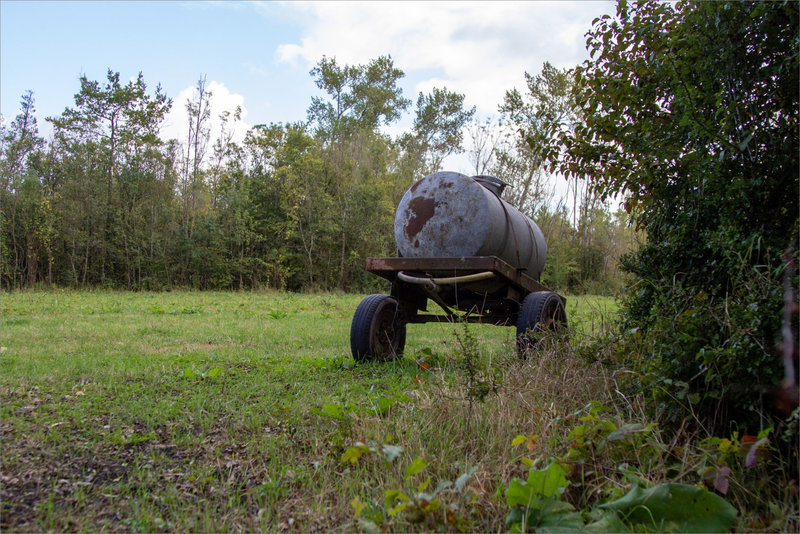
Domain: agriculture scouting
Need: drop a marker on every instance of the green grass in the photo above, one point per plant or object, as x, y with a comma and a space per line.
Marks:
233, 411
118, 409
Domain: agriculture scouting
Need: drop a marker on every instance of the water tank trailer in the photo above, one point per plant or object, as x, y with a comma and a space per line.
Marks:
469, 251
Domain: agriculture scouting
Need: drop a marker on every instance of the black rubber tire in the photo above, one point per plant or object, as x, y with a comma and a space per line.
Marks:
540, 311
375, 333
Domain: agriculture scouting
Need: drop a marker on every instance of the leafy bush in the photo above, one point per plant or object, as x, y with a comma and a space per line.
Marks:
710, 356
689, 112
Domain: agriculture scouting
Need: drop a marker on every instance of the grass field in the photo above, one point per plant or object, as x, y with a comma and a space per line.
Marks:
229, 411
190, 411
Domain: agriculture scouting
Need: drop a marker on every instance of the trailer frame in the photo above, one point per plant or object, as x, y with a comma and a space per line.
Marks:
476, 289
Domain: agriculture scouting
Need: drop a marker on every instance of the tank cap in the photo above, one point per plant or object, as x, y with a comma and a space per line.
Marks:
495, 185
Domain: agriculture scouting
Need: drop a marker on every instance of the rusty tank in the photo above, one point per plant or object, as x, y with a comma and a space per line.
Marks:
448, 214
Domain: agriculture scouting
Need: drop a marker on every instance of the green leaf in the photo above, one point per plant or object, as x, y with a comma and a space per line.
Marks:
549, 515
397, 509
625, 431
558, 516
743, 145
393, 495
441, 486
358, 506
541, 483
674, 508
609, 522
189, 373
515, 518
548, 481
216, 371
520, 494
430, 506
423, 485
353, 454
416, 466
520, 439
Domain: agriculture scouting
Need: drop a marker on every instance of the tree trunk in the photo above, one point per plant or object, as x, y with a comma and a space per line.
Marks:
342, 280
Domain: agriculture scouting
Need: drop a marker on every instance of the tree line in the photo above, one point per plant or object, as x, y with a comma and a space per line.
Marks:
106, 202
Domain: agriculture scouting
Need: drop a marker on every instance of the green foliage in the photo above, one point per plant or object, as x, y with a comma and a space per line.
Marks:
710, 355
536, 502
476, 379
360, 97
584, 240
540, 502
667, 508
389, 452
536, 505
438, 127
690, 111
190, 374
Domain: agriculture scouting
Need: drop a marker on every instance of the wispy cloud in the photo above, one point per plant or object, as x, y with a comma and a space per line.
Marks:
480, 49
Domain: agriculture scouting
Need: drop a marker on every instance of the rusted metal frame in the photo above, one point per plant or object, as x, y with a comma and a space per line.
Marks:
451, 315
435, 297
413, 299
388, 267
469, 318
410, 298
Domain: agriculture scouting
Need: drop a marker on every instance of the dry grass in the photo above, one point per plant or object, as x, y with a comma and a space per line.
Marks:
543, 396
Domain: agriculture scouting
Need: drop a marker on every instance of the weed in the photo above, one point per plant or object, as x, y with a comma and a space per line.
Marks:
475, 378
278, 314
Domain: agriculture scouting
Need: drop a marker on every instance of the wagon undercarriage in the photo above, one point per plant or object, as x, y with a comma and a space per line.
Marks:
479, 289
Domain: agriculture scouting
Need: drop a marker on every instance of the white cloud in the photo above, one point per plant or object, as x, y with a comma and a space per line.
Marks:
176, 125
480, 49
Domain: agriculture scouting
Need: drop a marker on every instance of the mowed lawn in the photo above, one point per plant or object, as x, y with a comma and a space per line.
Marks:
220, 411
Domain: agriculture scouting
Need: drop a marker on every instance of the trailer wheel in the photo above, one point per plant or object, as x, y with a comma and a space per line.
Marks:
540, 311
376, 333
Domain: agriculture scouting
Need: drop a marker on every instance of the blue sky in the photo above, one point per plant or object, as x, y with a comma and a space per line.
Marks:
47, 45
258, 54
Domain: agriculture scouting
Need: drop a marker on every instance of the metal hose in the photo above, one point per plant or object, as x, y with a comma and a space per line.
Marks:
449, 280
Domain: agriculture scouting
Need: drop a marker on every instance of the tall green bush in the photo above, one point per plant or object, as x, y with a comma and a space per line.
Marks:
690, 113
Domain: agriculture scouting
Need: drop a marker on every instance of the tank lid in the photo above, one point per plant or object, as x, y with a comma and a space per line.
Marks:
495, 185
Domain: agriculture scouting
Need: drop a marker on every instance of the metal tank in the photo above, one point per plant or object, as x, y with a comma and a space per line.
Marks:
448, 214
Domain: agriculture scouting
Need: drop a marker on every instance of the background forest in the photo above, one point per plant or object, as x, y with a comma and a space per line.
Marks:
105, 201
